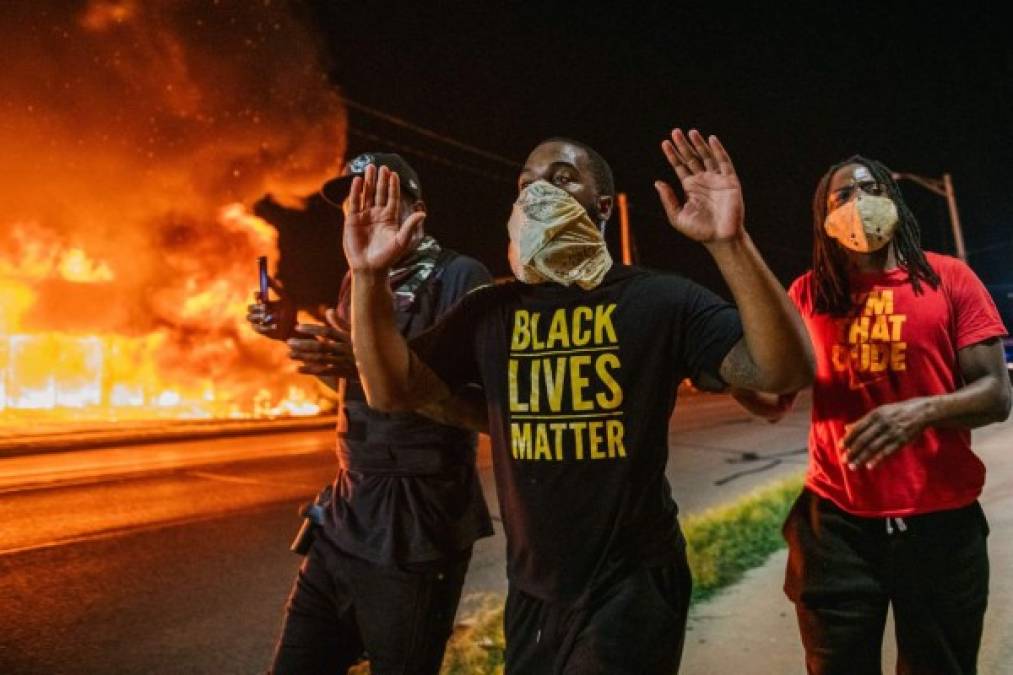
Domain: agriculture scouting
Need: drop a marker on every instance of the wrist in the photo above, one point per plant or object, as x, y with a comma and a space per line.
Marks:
735, 245
928, 412
368, 278
737, 241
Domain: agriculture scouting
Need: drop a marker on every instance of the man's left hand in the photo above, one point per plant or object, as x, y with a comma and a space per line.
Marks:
883, 432
713, 211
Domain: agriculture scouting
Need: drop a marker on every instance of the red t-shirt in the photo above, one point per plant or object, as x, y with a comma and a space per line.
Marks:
895, 345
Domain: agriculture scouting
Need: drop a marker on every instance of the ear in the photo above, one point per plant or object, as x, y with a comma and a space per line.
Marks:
605, 203
419, 206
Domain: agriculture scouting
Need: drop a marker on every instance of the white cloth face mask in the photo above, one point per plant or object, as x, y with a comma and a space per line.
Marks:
864, 224
552, 238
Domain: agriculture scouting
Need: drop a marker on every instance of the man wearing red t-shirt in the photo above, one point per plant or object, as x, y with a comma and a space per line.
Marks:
909, 359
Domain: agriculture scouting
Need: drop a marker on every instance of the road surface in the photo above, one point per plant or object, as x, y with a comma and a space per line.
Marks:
173, 558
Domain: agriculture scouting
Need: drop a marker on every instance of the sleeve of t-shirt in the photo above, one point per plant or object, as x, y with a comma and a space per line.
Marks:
461, 275
796, 291
976, 317
708, 329
449, 346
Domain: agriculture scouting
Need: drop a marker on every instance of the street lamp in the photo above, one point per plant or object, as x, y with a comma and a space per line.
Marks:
944, 188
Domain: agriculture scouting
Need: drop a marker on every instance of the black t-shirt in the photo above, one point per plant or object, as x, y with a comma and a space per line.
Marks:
407, 490
581, 386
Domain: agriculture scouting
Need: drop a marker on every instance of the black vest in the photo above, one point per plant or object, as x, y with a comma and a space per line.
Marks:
401, 443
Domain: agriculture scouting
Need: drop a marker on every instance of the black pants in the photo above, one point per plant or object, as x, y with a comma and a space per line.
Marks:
342, 606
635, 627
843, 572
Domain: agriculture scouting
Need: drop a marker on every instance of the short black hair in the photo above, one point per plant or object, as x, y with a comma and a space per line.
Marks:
600, 169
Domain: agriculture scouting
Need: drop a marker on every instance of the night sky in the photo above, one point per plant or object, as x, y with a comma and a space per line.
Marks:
924, 90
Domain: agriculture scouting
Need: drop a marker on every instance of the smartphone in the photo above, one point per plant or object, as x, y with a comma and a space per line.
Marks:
265, 280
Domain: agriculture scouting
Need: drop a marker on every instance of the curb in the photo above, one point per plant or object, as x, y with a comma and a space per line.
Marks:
89, 439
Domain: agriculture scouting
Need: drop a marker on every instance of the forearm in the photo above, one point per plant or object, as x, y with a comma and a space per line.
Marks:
381, 352
459, 411
777, 341
980, 403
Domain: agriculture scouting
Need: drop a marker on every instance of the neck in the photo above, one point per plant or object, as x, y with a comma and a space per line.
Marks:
883, 260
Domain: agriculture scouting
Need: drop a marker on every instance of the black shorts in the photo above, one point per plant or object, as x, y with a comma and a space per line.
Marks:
636, 626
343, 607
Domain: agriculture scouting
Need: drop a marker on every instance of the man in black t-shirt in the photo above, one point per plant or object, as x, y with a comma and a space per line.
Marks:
580, 362
387, 563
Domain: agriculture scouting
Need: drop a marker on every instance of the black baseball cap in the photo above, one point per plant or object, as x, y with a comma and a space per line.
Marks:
336, 189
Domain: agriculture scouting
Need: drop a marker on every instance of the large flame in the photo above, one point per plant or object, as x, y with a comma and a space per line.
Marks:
131, 137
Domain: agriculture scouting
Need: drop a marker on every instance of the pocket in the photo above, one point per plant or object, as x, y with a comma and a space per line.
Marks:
980, 512
793, 511
672, 586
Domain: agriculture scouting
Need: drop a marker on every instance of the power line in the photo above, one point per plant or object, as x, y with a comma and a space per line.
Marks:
395, 145
992, 247
429, 133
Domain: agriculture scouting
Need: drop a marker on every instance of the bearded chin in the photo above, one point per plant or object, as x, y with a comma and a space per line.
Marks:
595, 214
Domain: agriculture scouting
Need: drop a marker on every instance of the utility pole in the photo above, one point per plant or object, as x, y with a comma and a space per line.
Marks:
624, 228
944, 188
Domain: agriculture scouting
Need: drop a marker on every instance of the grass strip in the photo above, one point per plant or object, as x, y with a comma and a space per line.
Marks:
725, 542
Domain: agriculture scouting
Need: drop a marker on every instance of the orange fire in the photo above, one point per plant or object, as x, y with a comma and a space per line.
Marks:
133, 137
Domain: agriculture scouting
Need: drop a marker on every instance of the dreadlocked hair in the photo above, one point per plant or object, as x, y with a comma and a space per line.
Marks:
830, 289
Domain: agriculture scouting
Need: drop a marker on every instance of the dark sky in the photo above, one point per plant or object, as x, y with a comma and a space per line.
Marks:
924, 90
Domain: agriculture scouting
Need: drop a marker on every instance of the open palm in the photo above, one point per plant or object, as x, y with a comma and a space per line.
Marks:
374, 237
713, 210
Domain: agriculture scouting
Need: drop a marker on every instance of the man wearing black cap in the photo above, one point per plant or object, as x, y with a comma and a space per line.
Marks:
385, 570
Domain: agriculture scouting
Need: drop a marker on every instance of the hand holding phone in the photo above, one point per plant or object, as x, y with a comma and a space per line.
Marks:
271, 318
265, 278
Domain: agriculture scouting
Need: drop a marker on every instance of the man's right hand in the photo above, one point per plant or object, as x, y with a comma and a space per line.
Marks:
274, 319
771, 407
374, 237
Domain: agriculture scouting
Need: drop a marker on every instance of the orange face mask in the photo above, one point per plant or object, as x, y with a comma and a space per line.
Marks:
864, 224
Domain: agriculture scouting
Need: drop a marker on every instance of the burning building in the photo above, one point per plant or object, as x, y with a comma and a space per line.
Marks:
132, 136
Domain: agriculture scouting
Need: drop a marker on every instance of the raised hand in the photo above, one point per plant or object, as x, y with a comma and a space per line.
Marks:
713, 211
375, 237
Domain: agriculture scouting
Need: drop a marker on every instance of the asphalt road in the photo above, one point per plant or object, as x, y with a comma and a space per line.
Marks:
184, 568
